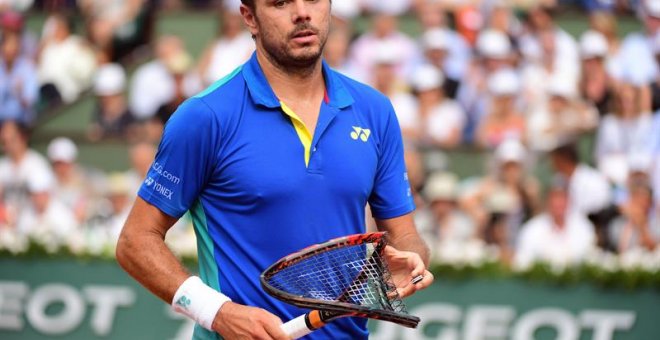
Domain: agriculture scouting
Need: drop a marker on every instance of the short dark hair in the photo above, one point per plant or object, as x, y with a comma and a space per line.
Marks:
567, 152
249, 3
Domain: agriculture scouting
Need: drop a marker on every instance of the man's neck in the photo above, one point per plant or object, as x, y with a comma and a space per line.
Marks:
302, 84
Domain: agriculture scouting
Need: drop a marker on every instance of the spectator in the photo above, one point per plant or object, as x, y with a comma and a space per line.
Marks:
588, 190
506, 198
595, 84
385, 29
75, 186
392, 7
503, 120
560, 236
46, 216
639, 225
336, 54
18, 82
636, 58
155, 84
386, 80
13, 23
141, 156
66, 62
622, 132
230, 49
446, 223
116, 27
109, 219
606, 24
494, 53
112, 118
441, 49
441, 119
18, 166
562, 117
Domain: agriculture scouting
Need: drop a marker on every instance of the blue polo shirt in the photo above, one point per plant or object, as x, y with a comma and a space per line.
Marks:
260, 187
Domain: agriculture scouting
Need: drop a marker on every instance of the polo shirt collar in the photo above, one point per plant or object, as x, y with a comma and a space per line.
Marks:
262, 93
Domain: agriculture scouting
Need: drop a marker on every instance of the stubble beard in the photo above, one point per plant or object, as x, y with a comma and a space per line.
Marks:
300, 62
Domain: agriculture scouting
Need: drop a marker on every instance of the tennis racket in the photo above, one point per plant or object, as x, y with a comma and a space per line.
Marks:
343, 277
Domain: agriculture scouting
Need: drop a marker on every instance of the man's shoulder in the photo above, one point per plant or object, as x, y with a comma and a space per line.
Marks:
225, 89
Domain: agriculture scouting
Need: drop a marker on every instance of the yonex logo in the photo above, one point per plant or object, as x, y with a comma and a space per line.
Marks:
183, 302
149, 181
360, 133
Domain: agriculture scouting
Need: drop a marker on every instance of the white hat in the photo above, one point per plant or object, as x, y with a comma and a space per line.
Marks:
62, 149
386, 52
427, 77
436, 39
493, 44
652, 8
441, 186
110, 80
561, 87
345, 9
511, 150
504, 83
593, 44
40, 182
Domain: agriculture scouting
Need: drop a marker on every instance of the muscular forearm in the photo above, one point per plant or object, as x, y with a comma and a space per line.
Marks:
142, 252
403, 235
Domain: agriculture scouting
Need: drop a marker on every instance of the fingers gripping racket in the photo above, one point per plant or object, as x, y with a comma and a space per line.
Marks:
342, 277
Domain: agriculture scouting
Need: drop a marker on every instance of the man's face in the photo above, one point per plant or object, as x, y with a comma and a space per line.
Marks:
291, 32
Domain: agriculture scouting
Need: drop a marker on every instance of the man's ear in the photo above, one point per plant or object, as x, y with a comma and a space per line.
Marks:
250, 20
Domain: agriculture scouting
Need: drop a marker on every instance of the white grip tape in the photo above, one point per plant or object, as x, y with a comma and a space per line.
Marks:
198, 301
296, 328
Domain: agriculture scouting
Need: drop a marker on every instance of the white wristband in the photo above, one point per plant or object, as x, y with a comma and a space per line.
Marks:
198, 301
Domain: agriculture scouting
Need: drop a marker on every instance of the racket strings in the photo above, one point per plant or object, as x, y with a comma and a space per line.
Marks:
354, 274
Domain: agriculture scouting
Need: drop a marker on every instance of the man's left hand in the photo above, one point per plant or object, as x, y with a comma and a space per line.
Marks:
405, 266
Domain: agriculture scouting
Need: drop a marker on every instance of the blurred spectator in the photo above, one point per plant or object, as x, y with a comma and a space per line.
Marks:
499, 16
448, 52
16, 5
506, 198
561, 117
636, 61
66, 62
385, 29
391, 7
77, 187
622, 133
589, 191
606, 24
639, 225
230, 49
595, 84
109, 218
13, 23
560, 236
116, 27
112, 118
493, 53
18, 82
141, 156
446, 223
46, 215
162, 80
549, 52
441, 120
386, 80
336, 54
503, 120
18, 166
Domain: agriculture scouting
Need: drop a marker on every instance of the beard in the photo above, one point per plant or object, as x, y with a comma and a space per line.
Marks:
280, 52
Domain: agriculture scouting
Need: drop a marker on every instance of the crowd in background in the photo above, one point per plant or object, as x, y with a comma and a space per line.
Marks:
496, 75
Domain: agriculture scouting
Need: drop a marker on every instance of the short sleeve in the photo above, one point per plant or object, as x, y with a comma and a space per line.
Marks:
391, 196
185, 159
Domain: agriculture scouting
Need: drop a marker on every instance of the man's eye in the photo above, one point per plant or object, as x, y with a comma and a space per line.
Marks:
280, 4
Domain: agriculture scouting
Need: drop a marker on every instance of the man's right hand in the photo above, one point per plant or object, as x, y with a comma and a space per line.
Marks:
235, 321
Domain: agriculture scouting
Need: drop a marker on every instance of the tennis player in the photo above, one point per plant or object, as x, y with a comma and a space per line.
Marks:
279, 155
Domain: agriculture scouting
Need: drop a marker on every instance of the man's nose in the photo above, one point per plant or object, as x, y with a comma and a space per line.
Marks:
301, 11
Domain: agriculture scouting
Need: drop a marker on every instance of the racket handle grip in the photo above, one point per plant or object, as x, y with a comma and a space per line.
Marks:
297, 328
